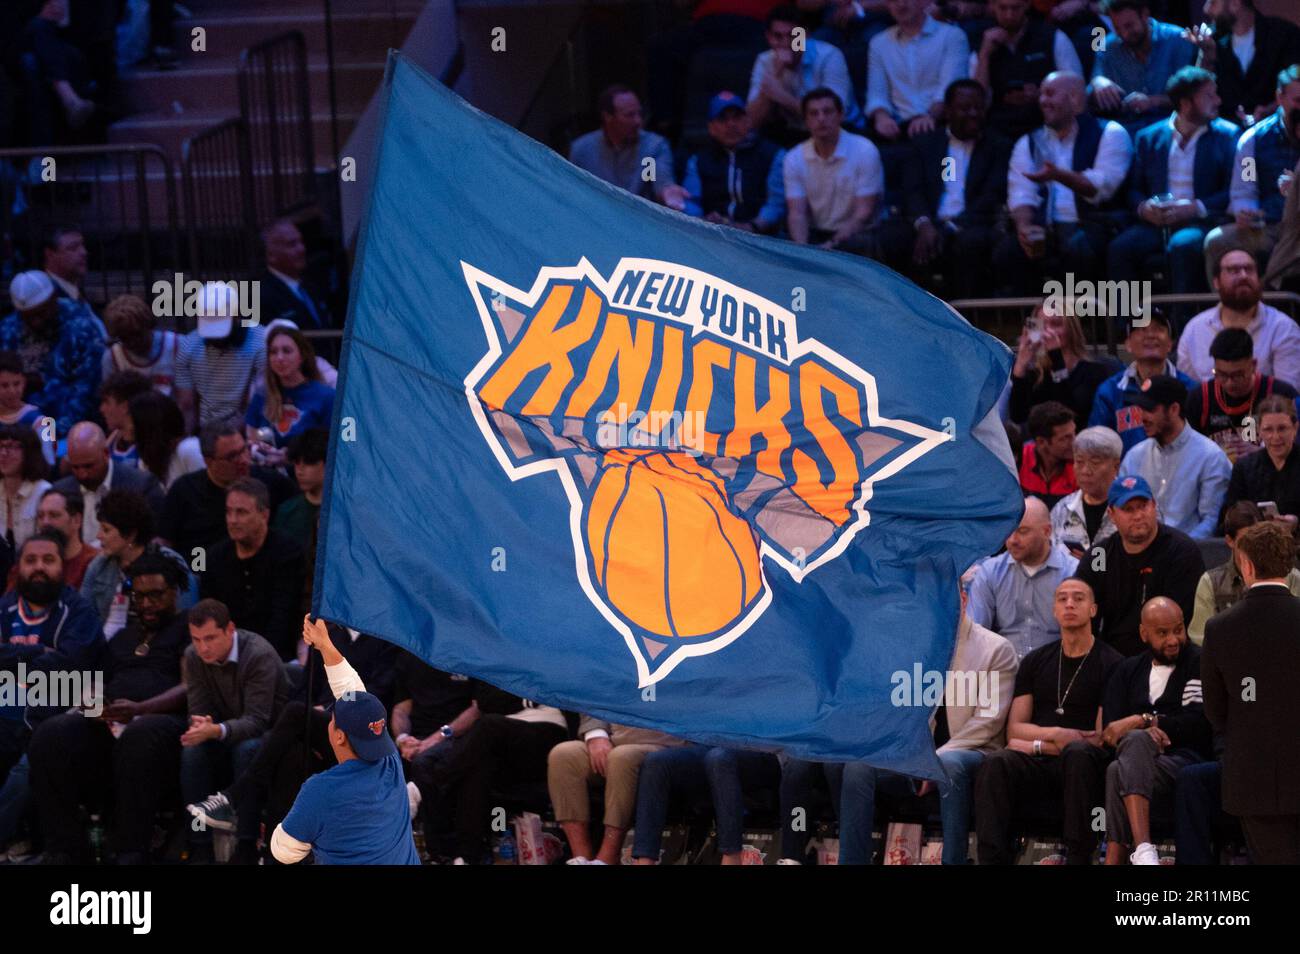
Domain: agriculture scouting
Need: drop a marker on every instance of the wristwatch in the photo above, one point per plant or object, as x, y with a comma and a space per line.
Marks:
1148, 720
446, 732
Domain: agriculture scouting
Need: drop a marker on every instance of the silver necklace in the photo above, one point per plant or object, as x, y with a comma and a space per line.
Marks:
1060, 658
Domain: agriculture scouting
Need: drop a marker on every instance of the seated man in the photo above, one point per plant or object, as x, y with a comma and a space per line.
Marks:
256, 572
693, 771
194, 512
966, 730
1047, 461
1271, 149
1135, 63
954, 188
617, 152
64, 257
506, 742
786, 72
355, 813
1014, 57
285, 294
909, 67
432, 710
62, 350
1182, 173
276, 773
1150, 344
1013, 593
63, 512
1221, 586
1189, 471
129, 756
1246, 50
1144, 558
1054, 748
235, 688
94, 473
606, 751
1061, 179
1155, 720
1081, 521
1219, 407
1276, 338
833, 181
737, 177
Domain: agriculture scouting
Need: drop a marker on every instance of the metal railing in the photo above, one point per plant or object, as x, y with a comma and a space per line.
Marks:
1004, 317
122, 198
220, 218
275, 103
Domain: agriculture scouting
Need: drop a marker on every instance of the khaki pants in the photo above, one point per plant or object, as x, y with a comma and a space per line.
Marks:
569, 774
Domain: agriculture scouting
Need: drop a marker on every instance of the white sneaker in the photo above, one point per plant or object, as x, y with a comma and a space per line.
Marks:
1145, 854
789, 861
577, 860
598, 862
460, 861
413, 797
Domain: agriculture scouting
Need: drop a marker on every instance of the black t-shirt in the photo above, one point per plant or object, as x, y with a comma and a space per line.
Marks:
494, 701
137, 678
1093, 515
1220, 419
194, 512
436, 697
1044, 669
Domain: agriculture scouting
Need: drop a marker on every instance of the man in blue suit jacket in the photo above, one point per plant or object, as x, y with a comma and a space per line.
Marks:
1188, 156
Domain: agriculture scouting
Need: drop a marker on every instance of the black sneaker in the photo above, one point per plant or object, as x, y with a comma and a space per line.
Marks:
215, 812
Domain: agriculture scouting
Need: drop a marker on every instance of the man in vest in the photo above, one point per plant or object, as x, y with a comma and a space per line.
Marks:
1062, 175
1182, 173
736, 178
1014, 58
1221, 586
1270, 149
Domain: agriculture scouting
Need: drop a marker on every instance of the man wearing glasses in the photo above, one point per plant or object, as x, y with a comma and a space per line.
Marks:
194, 514
1218, 408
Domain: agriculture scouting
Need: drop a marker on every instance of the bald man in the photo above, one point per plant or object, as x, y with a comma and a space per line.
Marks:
1155, 721
1060, 187
1012, 594
94, 474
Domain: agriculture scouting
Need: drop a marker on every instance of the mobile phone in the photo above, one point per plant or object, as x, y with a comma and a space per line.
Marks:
1035, 327
1269, 509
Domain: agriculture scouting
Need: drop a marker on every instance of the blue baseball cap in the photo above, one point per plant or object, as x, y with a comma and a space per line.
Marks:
1128, 488
724, 101
363, 719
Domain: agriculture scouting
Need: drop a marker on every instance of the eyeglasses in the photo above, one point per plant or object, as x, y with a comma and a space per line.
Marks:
149, 596
234, 456
1242, 375
11, 448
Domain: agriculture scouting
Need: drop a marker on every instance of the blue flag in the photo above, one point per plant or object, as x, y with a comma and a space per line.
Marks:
624, 462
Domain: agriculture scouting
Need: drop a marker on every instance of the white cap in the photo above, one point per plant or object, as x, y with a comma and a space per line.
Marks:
31, 289
217, 309
281, 323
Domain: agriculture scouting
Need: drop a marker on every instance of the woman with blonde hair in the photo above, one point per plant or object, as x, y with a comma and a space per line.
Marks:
1052, 364
293, 400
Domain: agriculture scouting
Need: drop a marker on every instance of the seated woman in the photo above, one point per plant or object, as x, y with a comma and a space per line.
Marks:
293, 400
1272, 474
1052, 364
155, 423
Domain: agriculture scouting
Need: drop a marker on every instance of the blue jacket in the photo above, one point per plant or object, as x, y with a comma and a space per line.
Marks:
1113, 406
70, 366
1211, 173
69, 640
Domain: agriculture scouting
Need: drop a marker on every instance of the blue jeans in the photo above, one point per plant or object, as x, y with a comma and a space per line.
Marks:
691, 771
860, 782
1197, 806
1130, 249
207, 768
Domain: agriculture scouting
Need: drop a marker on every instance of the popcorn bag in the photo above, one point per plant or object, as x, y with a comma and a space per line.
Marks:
903, 844
529, 841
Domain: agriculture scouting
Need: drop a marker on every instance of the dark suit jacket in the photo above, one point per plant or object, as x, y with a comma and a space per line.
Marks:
279, 301
986, 178
1257, 639
125, 477
1211, 174
1277, 46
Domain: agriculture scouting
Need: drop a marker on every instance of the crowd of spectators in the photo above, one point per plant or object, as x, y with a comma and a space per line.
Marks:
162, 490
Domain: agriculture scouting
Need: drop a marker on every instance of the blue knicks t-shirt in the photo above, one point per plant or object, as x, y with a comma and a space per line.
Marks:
357, 813
310, 404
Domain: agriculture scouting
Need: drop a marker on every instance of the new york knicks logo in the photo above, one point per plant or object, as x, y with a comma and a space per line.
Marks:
701, 443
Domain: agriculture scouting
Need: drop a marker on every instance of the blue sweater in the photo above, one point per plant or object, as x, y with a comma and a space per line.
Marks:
1113, 404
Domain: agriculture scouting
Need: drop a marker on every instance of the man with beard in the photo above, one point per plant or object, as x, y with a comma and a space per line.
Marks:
1135, 63
1246, 50
1182, 173
1271, 148
1155, 720
48, 627
1276, 338
1142, 559
128, 754
1218, 408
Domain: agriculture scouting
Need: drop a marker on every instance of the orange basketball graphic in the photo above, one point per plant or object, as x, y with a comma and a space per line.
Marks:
666, 550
